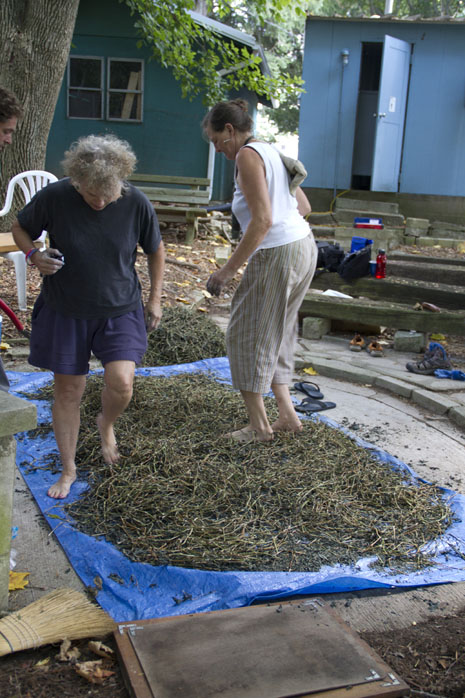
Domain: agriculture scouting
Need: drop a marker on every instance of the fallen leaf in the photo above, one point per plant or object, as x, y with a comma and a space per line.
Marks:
310, 371
183, 300
68, 653
102, 650
17, 580
207, 294
181, 259
93, 671
42, 663
98, 581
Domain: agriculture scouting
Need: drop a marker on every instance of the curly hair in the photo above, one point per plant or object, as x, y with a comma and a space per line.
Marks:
9, 106
234, 112
101, 162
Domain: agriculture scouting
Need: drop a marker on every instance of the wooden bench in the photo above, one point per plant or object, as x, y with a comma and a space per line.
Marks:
176, 198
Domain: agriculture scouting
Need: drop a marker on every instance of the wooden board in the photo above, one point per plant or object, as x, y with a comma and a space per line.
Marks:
264, 651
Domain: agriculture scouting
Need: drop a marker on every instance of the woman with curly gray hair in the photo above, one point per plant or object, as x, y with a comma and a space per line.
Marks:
90, 299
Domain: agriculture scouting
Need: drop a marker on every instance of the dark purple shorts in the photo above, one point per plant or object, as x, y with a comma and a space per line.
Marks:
63, 344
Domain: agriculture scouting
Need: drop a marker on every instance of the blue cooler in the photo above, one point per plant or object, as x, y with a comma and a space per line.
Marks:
359, 243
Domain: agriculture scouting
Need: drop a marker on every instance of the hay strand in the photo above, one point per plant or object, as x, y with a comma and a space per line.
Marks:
62, 614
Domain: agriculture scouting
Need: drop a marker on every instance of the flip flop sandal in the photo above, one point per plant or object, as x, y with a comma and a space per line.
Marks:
310, 389
308, 406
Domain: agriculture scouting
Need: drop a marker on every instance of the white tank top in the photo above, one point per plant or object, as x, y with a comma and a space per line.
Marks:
288, 225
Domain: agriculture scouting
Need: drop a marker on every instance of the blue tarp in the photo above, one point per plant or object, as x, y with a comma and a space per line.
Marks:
153, 591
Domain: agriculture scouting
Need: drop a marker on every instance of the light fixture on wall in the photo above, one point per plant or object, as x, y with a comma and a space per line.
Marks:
345, 56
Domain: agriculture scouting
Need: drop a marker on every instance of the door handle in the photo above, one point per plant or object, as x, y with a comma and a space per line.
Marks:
381, 115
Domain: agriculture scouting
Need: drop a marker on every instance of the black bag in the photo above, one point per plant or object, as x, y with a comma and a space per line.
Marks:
356, 264
330, 256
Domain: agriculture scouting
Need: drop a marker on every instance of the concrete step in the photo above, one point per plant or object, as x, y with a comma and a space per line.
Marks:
389, 219
321, 232
386, 238
440, 242
386, 314
425, 271
361, 205
406, 291
415, 258
439, 229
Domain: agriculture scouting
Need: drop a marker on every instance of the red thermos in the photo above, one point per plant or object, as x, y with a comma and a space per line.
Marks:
380, 272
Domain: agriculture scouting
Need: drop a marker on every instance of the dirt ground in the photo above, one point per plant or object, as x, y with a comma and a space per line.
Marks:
430, 656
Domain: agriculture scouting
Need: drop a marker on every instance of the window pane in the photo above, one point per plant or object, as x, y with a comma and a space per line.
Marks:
85, 72
85, 104
125, 75
125, 105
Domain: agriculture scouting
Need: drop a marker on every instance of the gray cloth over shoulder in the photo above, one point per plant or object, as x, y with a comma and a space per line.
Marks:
296, 171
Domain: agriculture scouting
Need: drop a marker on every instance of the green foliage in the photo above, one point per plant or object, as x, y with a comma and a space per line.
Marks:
401, 8
203, 61
282, 38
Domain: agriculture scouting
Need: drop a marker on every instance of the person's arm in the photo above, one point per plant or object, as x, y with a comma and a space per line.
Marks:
156, 265
303, 204
45, 261
252, 180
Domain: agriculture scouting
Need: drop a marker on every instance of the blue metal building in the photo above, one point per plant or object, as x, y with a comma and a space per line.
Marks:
384, 108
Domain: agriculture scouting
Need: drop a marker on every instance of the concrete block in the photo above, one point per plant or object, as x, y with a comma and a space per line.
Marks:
394, 386
441, 242
417, 226
16, 415
409, 341
439, 404
336, 369
315, 327
410, 240
457, 415
7, 476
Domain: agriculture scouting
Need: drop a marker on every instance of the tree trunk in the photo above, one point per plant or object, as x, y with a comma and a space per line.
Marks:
35, 38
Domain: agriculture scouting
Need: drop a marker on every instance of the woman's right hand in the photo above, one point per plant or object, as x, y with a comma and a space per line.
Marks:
48, 261
218, 281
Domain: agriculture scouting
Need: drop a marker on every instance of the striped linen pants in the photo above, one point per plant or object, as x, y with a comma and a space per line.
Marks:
262, 330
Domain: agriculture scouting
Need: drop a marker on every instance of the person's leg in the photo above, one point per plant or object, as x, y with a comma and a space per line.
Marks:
259, 428
302, 261
288, 419
68, 392
116, 395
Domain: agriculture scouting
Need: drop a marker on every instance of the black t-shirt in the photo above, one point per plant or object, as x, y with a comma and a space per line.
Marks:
98, 279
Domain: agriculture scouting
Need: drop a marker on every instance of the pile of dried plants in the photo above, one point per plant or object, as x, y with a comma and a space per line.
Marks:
184, 335
184, 495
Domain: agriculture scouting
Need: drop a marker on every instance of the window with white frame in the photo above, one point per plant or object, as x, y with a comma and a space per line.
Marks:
124, 88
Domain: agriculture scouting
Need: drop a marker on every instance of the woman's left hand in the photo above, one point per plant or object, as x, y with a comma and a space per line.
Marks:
218, 281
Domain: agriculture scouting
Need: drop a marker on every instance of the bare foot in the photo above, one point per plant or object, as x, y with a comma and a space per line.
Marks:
61, 488
109, 446
292, 426
248, 435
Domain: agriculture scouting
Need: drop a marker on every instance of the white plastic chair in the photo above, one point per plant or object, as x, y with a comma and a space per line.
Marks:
30, 182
